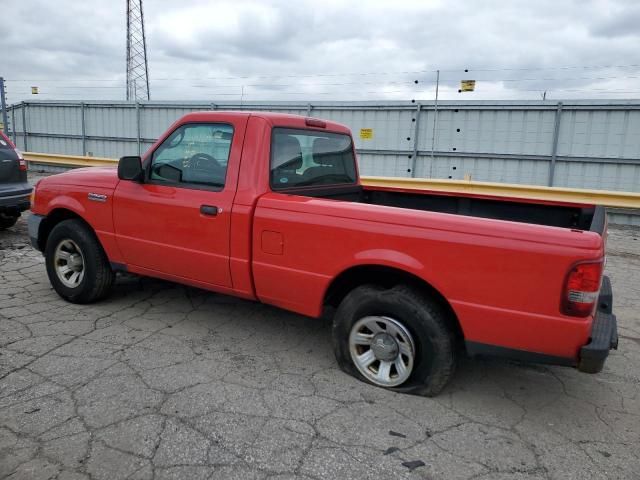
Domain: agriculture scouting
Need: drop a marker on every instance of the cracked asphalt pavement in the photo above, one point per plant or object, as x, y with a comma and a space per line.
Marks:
162, 381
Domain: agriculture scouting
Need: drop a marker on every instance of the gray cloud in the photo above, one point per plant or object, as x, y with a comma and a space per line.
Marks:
326, 50
620, 20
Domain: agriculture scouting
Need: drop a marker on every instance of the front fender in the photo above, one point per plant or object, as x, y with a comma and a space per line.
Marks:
65, 202
98, 215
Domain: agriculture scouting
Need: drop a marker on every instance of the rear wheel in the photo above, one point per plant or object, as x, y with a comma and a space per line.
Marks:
394, 338
7, 221
77, 266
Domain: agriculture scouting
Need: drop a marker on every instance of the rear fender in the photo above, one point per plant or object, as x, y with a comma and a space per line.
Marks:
390, 258
394, 259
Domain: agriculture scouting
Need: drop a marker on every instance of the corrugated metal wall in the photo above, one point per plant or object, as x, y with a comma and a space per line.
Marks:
584, 144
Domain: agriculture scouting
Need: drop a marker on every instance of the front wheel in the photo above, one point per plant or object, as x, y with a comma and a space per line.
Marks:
77, 266
394, 338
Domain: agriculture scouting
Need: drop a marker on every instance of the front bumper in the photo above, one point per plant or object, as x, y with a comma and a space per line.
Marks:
604, 333
33, 225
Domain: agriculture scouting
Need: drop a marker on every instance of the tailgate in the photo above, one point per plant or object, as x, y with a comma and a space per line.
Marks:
599, 222
9, 164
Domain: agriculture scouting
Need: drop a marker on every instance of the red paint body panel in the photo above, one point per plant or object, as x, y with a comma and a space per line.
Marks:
160, 227
502, 279
70, 190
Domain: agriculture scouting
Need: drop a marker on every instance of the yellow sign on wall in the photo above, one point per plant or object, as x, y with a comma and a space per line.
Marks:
366, 133
34, 91
467, 85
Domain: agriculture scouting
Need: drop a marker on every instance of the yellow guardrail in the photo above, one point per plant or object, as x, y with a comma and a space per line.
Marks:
532, 192
68, 160
606, 198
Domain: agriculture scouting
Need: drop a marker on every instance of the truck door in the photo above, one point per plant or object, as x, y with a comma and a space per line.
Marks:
177, 221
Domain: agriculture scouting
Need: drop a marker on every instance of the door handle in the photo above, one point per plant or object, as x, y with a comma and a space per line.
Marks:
209, 210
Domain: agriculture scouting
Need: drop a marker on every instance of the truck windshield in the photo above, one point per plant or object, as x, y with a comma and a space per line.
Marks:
309, 157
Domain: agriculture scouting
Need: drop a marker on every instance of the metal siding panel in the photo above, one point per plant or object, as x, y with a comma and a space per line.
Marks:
631, 136
64, 146
111, 149
600, 133
599, 176
624, 219
144, 146
108, 121
383, 165
56, 119
587, 128
425, 133
154, 121
391, 128
19, 141
483, 169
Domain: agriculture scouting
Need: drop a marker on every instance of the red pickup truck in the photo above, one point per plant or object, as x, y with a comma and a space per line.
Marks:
269, 207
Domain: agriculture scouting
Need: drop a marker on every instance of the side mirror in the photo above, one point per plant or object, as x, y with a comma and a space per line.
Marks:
130, 168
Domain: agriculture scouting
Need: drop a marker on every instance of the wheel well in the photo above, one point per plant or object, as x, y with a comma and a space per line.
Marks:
55, 217
386, 277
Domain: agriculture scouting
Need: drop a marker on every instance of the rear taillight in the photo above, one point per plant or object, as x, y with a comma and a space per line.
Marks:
581, 289
22, 165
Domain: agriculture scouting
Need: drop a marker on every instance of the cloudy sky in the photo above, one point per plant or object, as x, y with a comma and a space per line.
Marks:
309, 50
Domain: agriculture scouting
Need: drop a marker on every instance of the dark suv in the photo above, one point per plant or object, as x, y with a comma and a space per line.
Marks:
14, 188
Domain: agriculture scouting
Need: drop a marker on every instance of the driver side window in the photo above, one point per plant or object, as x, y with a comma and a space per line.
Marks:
194, 154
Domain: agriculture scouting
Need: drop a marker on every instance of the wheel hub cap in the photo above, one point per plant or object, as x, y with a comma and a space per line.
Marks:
69, 263
384, 347
75, 262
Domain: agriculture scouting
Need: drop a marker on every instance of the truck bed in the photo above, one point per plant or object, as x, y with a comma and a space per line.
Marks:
579, 217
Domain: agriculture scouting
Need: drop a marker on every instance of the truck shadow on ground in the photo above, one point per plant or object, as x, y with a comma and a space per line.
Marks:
253, 331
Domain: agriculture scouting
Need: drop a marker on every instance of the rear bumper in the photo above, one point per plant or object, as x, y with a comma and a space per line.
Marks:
591, 357
604, 333
15, 200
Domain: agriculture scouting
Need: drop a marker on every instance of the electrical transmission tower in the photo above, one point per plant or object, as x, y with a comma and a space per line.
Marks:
137, 66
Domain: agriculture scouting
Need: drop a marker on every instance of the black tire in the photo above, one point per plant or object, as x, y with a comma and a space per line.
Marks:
433, 337
98, 276
7, 221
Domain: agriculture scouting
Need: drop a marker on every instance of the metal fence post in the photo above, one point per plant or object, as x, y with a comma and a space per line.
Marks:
84, 129
24, 127
554, 144
138, 127
416, 135
309, 107
13, 124
435, 124
3, 100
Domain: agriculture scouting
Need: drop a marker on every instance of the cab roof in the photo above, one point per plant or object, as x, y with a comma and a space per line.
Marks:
273, 118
